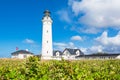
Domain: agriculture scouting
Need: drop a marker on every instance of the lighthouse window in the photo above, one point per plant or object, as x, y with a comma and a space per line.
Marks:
47, 41
47, 52
47, 31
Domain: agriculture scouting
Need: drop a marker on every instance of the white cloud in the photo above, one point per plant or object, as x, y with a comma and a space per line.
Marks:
29, 41
97, 13
105, 40
95, 49
59, 44
84, 29
62, 46
109, 44
92, 49
76, 38
84, 50
71, 45
104, 43
64, 16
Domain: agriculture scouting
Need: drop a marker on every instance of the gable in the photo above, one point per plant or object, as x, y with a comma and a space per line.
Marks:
77, 52
66, 52
57, 53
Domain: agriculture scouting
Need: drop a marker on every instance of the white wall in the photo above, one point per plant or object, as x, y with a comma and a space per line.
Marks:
118, 57
21, 56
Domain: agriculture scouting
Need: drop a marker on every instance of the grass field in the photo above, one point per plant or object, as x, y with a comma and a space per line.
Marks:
33, 69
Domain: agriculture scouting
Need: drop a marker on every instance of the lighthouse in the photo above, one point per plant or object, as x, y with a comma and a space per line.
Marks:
47, 48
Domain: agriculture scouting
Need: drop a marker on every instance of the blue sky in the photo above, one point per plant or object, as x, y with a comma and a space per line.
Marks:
90, 25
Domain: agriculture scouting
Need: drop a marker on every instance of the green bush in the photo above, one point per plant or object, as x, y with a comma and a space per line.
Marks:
34, 69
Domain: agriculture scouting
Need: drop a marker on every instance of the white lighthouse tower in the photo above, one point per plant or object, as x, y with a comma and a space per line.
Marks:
47, 49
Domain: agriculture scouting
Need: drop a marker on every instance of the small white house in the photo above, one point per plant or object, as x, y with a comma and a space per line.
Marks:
71, 53
57, 53
21, 54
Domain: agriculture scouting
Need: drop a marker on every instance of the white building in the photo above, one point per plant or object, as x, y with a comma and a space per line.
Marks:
100, 56
77, 54
71, 53
47, 49
57, 54
21, 54
68, 53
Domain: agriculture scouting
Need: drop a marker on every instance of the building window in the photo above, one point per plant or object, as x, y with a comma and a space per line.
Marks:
47, 31
47, 41
47, 52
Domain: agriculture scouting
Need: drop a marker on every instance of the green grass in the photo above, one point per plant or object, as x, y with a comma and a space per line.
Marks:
33, 69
